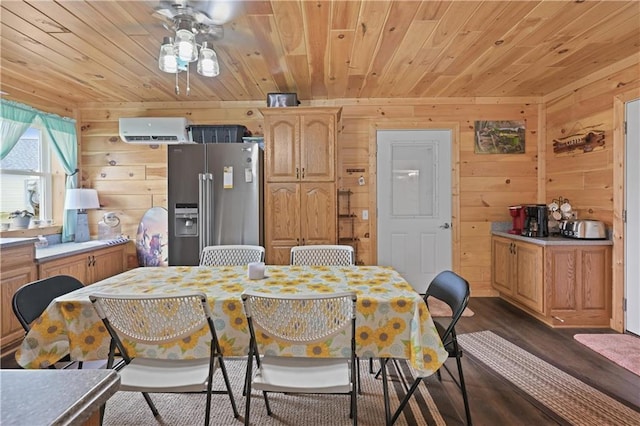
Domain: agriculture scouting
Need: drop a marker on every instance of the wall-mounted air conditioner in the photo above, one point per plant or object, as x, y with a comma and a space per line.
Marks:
154, 130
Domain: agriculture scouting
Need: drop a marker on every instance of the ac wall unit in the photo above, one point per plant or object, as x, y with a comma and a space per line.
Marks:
154, 130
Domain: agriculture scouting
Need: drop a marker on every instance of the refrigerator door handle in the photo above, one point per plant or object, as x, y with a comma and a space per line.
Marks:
201, 221
209, 210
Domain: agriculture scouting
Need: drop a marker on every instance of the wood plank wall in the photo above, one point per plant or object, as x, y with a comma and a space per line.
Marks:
594, 181
132, 178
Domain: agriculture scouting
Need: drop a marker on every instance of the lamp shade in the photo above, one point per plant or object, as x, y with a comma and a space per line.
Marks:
208, 65
81, 199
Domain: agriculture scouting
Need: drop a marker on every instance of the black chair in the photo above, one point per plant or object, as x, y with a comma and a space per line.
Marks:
454, 291
31, 300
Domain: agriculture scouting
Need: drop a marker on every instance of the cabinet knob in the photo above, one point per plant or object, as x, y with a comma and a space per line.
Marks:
303, 173
297, 173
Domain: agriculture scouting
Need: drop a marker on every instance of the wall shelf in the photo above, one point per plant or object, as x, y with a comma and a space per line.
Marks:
346, 221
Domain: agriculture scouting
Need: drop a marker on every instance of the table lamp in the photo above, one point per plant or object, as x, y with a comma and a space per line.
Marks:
81, 199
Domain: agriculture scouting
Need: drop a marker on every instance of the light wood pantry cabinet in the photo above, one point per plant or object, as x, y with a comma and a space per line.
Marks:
303, 213
517, 271
18, 268
300, 144
300, 175
562, 282
89, 267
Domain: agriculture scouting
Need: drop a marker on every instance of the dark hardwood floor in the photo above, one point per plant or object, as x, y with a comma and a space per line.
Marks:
493, 400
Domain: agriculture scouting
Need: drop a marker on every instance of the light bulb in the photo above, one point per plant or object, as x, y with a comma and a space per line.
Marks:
208, 62
185, 46
167, 59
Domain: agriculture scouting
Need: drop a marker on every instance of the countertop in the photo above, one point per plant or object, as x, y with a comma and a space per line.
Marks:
554, 241
65, 249
12, 242
54, 397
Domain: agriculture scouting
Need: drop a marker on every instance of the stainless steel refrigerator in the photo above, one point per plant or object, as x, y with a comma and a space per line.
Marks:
215, 198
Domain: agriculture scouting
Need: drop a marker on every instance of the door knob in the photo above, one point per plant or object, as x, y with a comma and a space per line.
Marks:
445, 226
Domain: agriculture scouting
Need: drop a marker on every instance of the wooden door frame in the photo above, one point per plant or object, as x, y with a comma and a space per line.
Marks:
413, 124
618, 290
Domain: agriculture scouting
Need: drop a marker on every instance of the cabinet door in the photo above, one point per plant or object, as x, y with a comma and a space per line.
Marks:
12, 280
282, 221
282, 143
318, 213
502, 259
77, 266
578, 285
106, 263
529, 276
317, 147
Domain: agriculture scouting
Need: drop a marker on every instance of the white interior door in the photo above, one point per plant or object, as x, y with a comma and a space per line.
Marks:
632, 226
414, 203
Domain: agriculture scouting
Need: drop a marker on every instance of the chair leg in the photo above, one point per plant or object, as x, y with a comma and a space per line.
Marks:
463, 389
399, 374
147, 398
359, 383
266, 402
385, 390
227, 383
406, 398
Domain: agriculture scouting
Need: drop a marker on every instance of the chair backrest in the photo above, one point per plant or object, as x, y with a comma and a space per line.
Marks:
153, 319
31, 300
231, 255
453, 290
301, 318
322, 255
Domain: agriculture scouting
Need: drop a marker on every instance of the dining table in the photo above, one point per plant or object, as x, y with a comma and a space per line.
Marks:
392, 319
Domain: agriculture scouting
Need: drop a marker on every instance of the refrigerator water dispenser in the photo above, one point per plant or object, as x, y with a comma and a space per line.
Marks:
186, 220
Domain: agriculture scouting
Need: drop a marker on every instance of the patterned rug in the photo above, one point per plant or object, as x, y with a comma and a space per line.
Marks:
129, 408
563, 394
623, 349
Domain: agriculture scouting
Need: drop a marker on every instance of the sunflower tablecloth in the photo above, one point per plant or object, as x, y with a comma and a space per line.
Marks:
392, 320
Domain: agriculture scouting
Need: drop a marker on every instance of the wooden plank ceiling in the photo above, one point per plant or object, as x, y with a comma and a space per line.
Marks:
78, 52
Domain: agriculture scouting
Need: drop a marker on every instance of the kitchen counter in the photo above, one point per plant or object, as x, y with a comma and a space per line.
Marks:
65, 249
54, 397
12, 242
554, 241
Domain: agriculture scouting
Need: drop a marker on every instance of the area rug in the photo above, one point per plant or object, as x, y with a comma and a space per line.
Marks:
623, 349
437, 308
129, 408
563, 394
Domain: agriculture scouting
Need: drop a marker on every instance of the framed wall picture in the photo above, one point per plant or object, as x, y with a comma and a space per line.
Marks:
499, 137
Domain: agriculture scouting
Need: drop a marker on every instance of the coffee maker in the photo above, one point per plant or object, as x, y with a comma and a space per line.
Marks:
536, 221
518, 214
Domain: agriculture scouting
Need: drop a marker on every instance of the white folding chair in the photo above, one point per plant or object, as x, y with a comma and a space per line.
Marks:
323, 255
155, 320
231, 255
300, 319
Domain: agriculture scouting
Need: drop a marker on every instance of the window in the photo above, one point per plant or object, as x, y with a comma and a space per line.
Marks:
26, 177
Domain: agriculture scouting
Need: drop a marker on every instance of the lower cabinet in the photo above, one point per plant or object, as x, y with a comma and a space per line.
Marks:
579, 290
562, 285
88, 267
517, 271
18, 269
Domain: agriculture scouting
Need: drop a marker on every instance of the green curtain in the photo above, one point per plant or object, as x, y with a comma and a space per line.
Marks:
17, 118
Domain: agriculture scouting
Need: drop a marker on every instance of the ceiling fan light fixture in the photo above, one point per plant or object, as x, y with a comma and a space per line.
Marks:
185, 46
208, 65
167, 60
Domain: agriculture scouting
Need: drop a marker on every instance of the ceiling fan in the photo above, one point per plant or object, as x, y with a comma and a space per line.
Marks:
195, 25
202, 17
